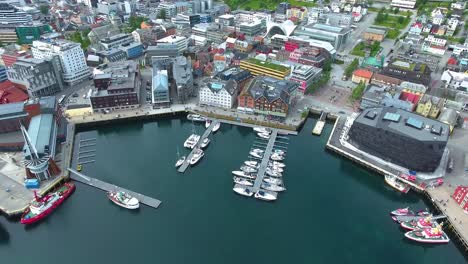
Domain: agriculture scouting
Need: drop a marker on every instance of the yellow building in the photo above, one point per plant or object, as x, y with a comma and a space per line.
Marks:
430, 106
258, 67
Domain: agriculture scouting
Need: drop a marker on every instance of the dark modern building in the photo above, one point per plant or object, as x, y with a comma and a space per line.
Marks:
116, 87
403, 138
408, 71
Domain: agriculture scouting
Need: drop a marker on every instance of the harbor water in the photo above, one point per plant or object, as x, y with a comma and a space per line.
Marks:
332, 212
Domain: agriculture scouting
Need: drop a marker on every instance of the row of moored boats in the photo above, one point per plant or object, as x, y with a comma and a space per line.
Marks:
272, 181
421, 226
193, 141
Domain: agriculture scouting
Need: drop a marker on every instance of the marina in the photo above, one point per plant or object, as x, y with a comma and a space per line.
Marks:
107, 187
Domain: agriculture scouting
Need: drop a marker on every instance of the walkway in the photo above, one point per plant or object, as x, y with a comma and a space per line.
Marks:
207, 132
149, 201
236, 123
264, 164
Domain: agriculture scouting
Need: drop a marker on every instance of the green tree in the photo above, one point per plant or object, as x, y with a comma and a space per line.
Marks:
44, 9
380, 17
401, 20
358, 91
162, 14
327, 66
396, 10
351, 68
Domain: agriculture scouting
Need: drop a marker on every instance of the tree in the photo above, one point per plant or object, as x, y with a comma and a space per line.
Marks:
351, 67
401, 20
396, 10
327, 66
162, 14
44, 9
358, 91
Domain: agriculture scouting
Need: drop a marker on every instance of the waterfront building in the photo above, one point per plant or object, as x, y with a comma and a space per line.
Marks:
39, 77
183, 77
375, 34
117, 86
337, 36
305, 75
268, 96
132, 50
160, 89
8, 35
408, 4
116, 40
257, 67
71, 58
237, 74
361, 75
219, 93
403, 138
179, 41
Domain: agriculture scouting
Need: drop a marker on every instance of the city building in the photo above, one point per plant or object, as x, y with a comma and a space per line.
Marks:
112, 55
3, 74
285, 28
268, 96
305, 75
460, 195
160, 89
337, 36
282, 8
430, 106
71, 57
116, 86
408, 71
179, 41
362, 75
40, 77
183, 77
296, 13
27, 34
13, 16
9, 93
403, 138
450, 117
116, 40
252, 29
189, 20
257, 67
455, 80
237, 74
149, 36
375, 34
218, 93
99, 33
384, 80
8, 35
132, 50
336, 19
408, 4
383, 96
10, 55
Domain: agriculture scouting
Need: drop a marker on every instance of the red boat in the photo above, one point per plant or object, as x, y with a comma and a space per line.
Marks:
41, 207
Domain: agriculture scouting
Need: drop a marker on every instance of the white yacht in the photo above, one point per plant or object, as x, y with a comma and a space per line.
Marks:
180, 161
256, 154
273, 173
276, 157
195, 117
197, 155
251, 163
264, 135
279, 151
242, 181
242, 190
248, 169
273, 181
207, 123
191, 141
258, 150
265, 195
205, 143
261, 130
274, 168
276, 164
216, 126
272, 187
244, 174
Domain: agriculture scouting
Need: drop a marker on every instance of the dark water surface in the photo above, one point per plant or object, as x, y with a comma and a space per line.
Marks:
332, 212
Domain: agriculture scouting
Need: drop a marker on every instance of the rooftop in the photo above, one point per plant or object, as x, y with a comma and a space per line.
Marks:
266, 64
272, 89
363, 73
39, 131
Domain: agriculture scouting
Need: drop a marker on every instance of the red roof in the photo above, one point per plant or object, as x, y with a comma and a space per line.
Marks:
363, 73
11, 94
411, 97
452, 61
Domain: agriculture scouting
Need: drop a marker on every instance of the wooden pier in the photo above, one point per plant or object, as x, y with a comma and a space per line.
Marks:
149, 201
264, 164
207, 132
318, 128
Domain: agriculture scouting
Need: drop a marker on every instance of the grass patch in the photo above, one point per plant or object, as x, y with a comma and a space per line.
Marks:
361, 48
268, 65
268, 4
394, 22
393, 33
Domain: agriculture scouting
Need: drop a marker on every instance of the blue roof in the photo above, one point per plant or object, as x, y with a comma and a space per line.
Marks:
392, 117
39, 131
160, 82
416, 123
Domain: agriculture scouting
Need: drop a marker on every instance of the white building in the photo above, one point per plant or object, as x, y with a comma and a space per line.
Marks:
436, 41
71, 56
459, 48
305, 75
117, 40
455, 80
408, 4
179, 41
452, 23
219, 93
169, 9
460, 5
433, 49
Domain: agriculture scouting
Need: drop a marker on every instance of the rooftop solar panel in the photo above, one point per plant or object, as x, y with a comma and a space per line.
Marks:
392, 117
413, 122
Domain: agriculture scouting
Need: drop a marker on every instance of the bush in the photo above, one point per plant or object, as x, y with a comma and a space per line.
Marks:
358, 91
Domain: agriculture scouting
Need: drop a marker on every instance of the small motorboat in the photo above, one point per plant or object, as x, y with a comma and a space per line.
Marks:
180, 161
205, 143
242, 181
266, 195
429, 235
264, 135
207, 123
257, 150
251, 163
275, 181
272, 187
124, 200
257, 155
191, 141
216, 126
276, 157
195, 117
273, 168
402, 211
197, 155
248, 169
273, 173
397, 184
242, 190
279, 151
276, 164
261, 130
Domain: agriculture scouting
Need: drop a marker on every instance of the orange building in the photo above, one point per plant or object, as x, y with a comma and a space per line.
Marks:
361, 75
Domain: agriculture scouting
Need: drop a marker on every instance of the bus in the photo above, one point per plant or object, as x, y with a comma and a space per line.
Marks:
61, 99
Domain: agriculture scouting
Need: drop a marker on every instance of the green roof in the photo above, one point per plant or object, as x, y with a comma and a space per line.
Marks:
270, 65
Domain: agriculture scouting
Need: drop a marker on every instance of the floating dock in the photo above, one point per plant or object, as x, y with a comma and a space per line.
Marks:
318, 128
207, 132
406, 218
264, 164
149, 201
